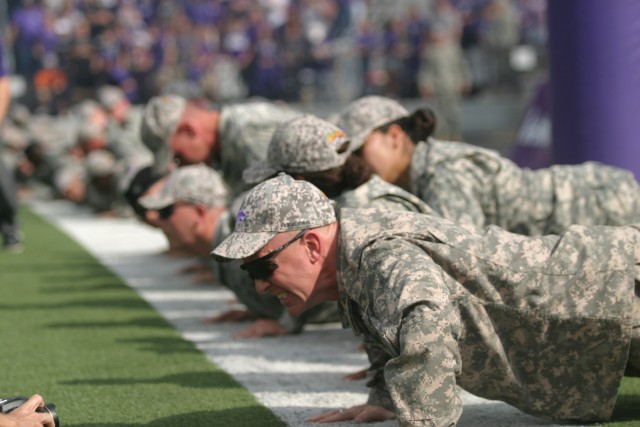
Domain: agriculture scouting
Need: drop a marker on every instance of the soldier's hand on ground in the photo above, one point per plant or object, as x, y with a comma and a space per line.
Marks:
359, 414
177, 253
262, 328
355, 376
196, 267
204, 277
231, 316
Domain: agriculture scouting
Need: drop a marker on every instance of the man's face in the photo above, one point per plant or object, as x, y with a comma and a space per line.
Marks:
294, 279
100, 118
190, 144
120, 110
76, 191
388, 153
93, 144
179, 222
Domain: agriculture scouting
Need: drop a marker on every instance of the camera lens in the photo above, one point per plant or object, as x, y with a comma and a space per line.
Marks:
51, 409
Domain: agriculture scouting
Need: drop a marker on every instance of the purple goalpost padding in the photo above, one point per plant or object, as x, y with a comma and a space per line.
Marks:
594, 51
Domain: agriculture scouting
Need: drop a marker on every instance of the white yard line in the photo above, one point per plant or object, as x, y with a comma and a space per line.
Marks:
294, 376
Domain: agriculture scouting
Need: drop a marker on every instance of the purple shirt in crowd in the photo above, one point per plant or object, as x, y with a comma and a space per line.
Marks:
3, 69
203, 12
30, 24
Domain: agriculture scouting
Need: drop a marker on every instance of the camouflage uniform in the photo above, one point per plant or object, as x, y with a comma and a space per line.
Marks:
101, 185
123, 133
379, 193
309, 144
244, 131
473, 185
55, 137
470, 184
542, 323
124, 138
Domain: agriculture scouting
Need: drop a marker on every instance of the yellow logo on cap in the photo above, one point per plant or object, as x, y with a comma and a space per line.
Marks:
331, 139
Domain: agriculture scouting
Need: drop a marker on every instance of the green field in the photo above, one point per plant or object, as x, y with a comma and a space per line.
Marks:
75, 333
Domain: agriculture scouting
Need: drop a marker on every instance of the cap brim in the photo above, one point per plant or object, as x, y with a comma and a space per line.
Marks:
258, 172
241, 245
156, 201
357, 141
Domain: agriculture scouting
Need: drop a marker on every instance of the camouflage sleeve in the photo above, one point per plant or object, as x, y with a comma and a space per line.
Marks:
418, 325
454, 197
422, 379
399, 203
378, 358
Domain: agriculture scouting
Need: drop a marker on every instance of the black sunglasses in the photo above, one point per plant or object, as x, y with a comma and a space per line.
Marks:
262, 268
166, 212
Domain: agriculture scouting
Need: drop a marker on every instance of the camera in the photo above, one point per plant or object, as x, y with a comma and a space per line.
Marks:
10, 403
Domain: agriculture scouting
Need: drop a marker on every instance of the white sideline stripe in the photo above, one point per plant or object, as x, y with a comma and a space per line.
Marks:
178, 295
296, 377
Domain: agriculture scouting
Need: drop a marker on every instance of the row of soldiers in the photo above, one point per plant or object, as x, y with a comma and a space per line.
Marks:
458, 267
82, 155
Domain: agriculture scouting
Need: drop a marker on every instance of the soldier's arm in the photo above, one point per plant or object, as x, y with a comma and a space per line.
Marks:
378, 358
454, 197
415, 316
422, 379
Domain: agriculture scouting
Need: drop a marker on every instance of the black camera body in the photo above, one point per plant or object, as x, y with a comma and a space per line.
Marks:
10, 403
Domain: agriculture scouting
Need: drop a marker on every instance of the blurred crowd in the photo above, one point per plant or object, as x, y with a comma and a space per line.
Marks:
90, 66
81, 155
290, 50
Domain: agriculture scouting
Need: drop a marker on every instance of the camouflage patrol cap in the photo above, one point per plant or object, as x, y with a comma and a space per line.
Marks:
301, 145
362, 116
100, 163
68, 174
90, 130
109, 96
85, 109
20, 114
196, 184
274, 206
13, 137
160, 119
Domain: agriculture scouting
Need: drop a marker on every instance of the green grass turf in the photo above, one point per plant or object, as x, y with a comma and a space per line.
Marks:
627, 410
75, 333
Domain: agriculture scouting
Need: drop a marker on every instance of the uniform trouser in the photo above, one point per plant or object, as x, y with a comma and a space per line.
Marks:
633, 363
8, 202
